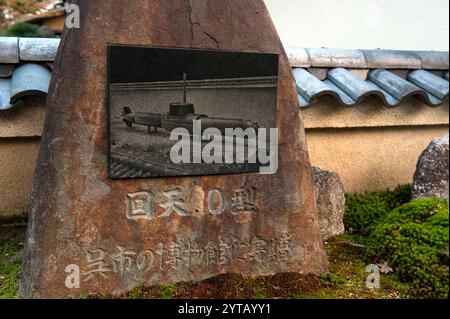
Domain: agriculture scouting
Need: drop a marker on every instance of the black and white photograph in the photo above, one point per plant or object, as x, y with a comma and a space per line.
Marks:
170, 111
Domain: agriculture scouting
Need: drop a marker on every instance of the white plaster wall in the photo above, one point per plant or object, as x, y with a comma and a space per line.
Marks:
363, 24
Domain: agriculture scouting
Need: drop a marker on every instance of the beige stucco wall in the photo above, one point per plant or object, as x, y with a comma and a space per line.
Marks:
18, 158
371, 159
20, 131
363, 24
327, 113
55, 23
372, 147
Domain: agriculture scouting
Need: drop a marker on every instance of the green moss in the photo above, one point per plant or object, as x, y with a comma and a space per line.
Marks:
82, 296
362, 211
9, 276
136, 293
414, 238
9, 269
23, 29
9, 248
260, 295
333, 279
168, 292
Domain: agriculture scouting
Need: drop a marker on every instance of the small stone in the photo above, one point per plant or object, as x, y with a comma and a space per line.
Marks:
431, 176
330, 199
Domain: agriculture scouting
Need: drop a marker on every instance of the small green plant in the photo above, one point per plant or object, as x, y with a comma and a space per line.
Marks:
9, 269
82, 296
259, 295
23, 29
331, 279
168, 292
9, 276
136, 293
9, 248
414, 238
362, 211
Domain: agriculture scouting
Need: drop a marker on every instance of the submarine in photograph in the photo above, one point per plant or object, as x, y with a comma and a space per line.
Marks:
182, 115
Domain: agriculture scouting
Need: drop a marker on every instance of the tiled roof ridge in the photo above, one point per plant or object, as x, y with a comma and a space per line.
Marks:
347, 75
351, 75
298, 56
390, 88
13, 50
367, 59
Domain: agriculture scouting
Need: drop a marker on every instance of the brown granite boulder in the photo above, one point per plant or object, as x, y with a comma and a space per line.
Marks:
84, 234
330, 199
431, 176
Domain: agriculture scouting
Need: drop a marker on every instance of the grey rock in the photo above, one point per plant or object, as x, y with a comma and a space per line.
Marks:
330, 199
431, 176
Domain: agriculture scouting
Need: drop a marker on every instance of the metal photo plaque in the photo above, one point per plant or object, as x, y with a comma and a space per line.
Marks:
189, 112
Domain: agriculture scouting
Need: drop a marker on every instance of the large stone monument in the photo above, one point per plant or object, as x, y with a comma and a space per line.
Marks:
91, 233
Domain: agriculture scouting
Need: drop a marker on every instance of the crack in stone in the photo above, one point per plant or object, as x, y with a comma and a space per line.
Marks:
200, 26
208, 35
190, 20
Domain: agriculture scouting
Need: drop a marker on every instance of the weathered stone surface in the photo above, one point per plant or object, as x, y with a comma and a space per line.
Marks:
78, 215
330, 199
431, 176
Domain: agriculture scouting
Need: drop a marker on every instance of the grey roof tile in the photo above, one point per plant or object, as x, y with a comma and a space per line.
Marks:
391, 89
431, 83
308, 86
337, 58
301, 100
343, 97
5, 94
364, 59
393, 84
349, 83
392, 59
390, 75
434, 60
38, 49
9, 50
298, 57
347, 75
29, 79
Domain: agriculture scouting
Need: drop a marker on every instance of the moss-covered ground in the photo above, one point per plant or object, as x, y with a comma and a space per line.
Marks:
345, 279
9, 268
405, 225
